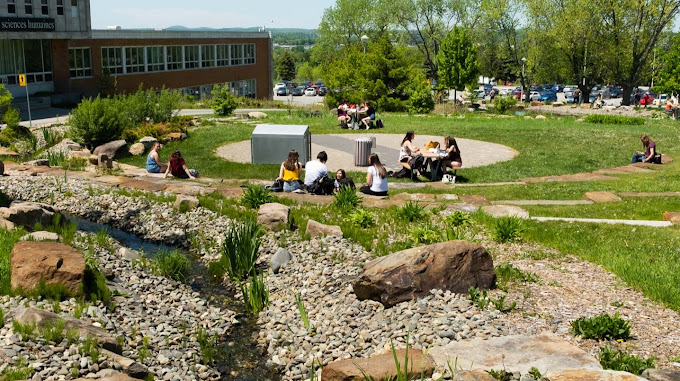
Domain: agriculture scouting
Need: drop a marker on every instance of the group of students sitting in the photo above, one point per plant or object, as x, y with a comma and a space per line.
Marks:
316, 180
411, 159
364, 114
175, 165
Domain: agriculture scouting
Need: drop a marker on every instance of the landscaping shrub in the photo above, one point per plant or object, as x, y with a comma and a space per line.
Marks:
457, 218
421, 101
149, 106
616, 359
158, 130
362, 218
239, 251
601, 327
503, 104
224, 102
411, 211
507, 229
97, 121
425, 234
255, 196
346, 199
172, 264
14, 131
615, 119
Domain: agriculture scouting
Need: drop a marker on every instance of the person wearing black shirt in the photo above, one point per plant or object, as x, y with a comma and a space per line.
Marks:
370, 115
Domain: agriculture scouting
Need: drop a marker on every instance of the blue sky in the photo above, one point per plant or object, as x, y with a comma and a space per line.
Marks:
210, 13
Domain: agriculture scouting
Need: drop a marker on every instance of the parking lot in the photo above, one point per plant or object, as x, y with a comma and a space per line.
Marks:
303, 100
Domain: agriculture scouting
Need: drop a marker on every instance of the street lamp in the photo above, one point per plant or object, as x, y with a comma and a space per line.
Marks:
524, 60
364, 40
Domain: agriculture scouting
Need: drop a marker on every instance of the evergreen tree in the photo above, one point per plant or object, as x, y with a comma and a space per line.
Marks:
286, 68
458, 65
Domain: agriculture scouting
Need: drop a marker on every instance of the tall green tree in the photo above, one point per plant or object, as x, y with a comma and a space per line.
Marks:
668, 77
286, 67
458, 66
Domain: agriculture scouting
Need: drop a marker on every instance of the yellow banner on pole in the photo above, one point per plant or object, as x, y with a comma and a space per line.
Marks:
22, 80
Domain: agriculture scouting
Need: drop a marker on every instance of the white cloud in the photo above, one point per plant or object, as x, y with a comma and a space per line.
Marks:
162, 18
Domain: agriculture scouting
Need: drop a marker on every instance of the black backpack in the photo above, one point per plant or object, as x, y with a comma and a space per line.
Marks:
322, 186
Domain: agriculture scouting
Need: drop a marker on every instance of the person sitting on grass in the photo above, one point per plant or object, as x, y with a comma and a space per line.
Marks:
452, 159
649, 156
341, 180
376, 178
153, 160
316, 168
290, 172
370, 115
178, 168
343, 118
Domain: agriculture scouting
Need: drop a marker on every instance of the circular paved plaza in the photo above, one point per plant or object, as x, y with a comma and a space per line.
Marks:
340, 150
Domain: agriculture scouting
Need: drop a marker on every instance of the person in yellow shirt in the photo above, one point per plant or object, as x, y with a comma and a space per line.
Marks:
290, 172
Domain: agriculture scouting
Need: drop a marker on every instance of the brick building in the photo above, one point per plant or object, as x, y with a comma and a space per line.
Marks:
52, 42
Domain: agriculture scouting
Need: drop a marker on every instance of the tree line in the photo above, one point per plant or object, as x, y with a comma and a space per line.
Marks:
408, 45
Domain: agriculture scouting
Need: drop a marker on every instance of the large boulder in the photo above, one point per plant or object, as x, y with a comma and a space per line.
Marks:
380, 367
673, 217
590, 375
5, 224
148, 142
184, 202
137, 149
273, 216
661, 374
27, 214
129, 366
40, 236
257, 115
409, 274
41, 317
317, 229
505, 211
51, 262
112, 150
517, 353
8, 153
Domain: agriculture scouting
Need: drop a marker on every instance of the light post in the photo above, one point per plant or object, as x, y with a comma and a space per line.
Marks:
521, 92
364, 40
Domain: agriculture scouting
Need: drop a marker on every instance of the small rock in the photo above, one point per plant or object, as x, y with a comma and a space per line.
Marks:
280, 259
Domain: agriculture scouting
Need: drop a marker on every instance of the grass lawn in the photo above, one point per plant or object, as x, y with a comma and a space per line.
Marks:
546, 147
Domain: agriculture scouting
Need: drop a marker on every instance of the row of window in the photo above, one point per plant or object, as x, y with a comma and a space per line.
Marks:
140, 59
44, 7
147, 59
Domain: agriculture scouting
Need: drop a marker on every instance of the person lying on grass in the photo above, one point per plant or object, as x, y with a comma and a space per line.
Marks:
178, 168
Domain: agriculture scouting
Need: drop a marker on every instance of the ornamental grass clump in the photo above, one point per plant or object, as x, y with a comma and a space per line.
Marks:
507, 229
255, 196
239, 251
346, 199
601, 327
411, 211
255, 293
172, 264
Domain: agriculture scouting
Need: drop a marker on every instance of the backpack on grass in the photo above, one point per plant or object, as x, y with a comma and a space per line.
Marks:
323, 186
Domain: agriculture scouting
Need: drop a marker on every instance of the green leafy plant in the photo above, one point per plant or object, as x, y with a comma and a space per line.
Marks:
499, 304
456, 234
2, 317
425, 234
207, 344
457, 218
501, 375
89, 347
143, 352
478, 298
55, 158
506, 229
615, 119
601, 327
616, 359
27, 331
20, 371
255, 196
403, 372
506, 273
239, 251
255, 293
504, 104
303, 311
362, 218
224, 102
411, 211
172, 264
97, 121
346, 199
535, 373
53, 331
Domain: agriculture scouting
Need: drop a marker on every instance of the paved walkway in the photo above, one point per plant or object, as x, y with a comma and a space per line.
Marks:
340, 150
655, 224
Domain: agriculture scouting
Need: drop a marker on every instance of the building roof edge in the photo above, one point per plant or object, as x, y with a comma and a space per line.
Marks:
152, 34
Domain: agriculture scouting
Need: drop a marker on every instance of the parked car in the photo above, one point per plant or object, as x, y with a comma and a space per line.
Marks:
479, 94
661, 100
568, 91
548, 96
282, 91
615, 91
298, 91
558, 88
279, 85
310, 92
322, 91
487, 88
306, 84
535, 96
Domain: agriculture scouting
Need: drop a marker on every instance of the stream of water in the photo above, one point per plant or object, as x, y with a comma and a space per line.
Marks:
238, 356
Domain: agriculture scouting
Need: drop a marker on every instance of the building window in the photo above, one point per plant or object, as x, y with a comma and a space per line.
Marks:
60, 7
207, 55
191, 57
112, 60
155, 58
74, 8
44, 7
80, 63
222, 55
245, 88
11, 7
134, 60
249, 54
175, 59
236, 54
28, 7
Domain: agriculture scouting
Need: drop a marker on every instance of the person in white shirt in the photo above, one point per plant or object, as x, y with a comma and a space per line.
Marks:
316, 168
376, 178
